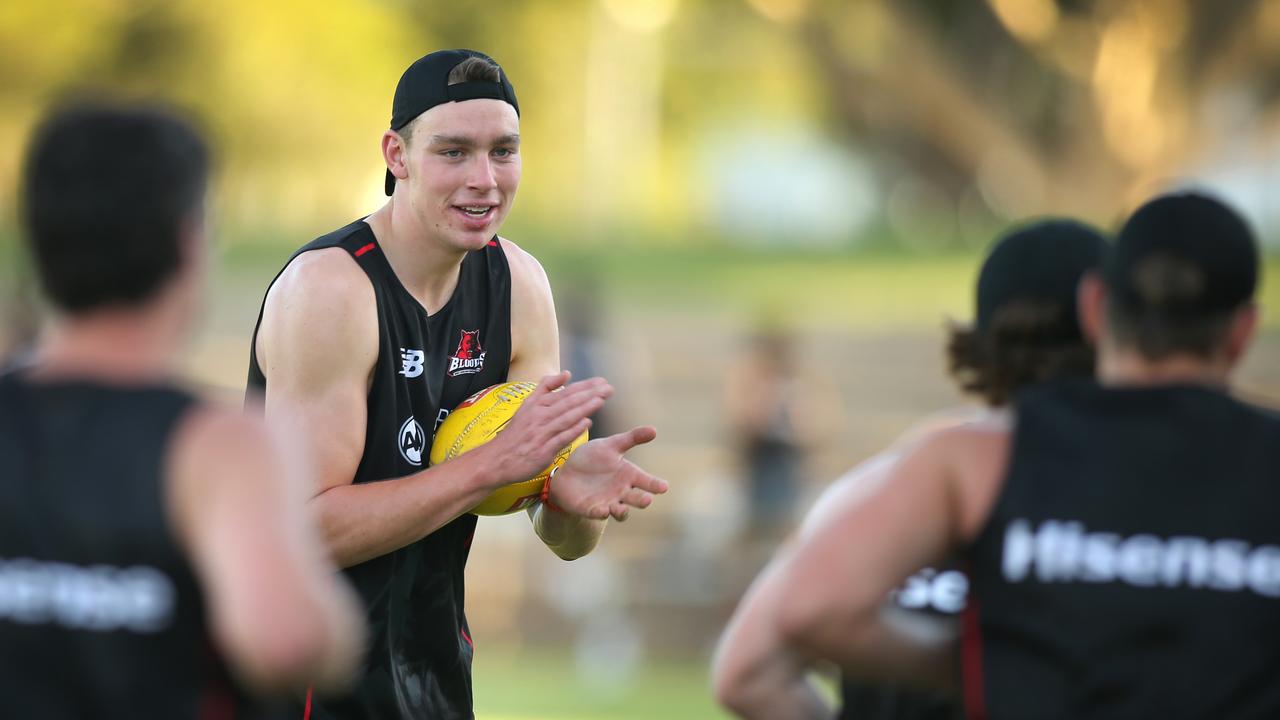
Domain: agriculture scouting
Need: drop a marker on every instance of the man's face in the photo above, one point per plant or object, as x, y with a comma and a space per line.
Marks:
464, 167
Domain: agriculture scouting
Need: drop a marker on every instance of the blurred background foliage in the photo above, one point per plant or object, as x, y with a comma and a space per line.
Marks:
700, 177
794, 122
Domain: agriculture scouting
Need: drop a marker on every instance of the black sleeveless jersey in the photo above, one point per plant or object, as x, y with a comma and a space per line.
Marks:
419, 662
1131, 564
100, 613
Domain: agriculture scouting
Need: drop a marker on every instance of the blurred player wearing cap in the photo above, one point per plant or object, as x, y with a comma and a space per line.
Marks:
372, 333
1119, 535
137, 522
1025, 332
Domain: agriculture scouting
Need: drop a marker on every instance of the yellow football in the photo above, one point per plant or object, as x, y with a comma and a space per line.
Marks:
479, 419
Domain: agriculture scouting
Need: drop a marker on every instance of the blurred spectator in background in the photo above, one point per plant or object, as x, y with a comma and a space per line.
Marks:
777, 412
583, 351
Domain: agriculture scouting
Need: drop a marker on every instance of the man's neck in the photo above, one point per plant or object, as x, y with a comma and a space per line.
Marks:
1126, 367
113, 345
425, 266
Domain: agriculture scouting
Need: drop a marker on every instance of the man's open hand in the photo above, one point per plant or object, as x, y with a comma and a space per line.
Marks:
599, 482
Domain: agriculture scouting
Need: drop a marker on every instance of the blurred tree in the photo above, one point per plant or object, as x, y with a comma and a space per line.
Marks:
997, 109
1063, 105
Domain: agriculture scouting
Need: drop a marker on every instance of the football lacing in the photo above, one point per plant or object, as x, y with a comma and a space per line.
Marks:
510, 393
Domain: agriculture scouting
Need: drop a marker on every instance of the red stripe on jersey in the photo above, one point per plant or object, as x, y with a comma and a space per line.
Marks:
306, 709
366, 249
493, 243
467, 637
975, 696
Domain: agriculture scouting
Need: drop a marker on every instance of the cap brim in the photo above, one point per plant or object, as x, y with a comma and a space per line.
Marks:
390, 185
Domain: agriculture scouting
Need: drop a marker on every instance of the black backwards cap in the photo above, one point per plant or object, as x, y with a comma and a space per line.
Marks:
1197, 230
426, 84
1040, 262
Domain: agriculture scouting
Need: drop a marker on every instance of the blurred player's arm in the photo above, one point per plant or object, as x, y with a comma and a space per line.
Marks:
597, 482
935, 496
278, 611
755, 672
318, 344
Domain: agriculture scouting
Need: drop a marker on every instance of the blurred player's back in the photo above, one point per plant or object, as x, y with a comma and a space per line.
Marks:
99, 609
1130, 564
150, 543
1133, 556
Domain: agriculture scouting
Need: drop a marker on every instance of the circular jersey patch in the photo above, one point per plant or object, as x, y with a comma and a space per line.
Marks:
412, 441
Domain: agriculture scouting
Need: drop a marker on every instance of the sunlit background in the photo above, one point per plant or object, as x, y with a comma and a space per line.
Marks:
756, 214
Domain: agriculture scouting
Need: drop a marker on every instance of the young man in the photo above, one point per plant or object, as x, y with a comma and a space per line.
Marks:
136, 521
1120, 535
372, 333
1025, 332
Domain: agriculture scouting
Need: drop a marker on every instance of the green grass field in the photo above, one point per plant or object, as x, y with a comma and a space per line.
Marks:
543, 686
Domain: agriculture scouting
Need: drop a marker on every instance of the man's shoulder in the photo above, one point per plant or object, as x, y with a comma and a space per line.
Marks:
959, 435
519, 259
322, 299
319, 274
214, 435
212, 427
527, 274
326, 263
356, 232
981, 443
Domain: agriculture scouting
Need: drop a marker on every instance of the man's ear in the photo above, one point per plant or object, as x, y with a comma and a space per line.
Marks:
1244, 322
1091, 304
395, 154
194, 241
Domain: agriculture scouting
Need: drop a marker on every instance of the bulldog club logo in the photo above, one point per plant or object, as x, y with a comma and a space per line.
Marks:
413, 441
468, 359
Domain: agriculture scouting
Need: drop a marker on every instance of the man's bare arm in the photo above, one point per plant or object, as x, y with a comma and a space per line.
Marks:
755, 674
935, 495
278, 611
318, 344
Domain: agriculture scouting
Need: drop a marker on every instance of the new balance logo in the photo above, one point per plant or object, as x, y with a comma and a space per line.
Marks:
411, 362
